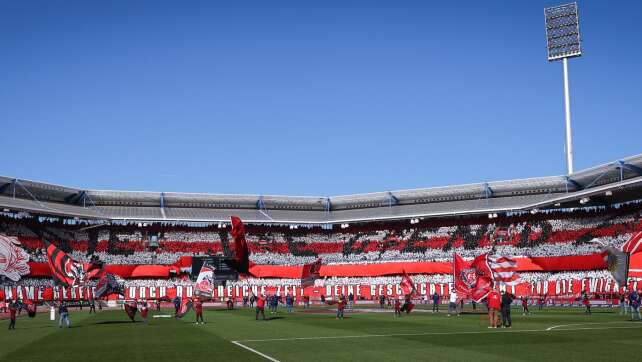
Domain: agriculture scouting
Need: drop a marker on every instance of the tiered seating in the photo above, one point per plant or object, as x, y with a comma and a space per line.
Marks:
542, 234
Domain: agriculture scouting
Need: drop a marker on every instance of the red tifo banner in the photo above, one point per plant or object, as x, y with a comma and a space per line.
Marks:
559, 288
535, 264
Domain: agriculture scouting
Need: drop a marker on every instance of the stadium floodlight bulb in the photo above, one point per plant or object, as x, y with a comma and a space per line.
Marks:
562, 32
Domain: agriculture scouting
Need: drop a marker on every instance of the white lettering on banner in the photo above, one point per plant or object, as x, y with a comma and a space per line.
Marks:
190, 291
255, 290
570, 286
422, 288
152, 293
74, 293
228, 290
442, 289
40, 294
432, 289
398, 289
163, 292
142, 292
64, 293
263, 289
237, 290
220, 291
388, 289
245, 290
132, 292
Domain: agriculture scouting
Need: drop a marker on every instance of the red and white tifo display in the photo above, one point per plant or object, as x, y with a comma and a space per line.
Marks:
558, 255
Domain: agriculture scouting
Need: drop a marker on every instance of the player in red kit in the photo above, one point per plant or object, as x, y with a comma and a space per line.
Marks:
260, 306
525, 310
341, 306
13, 309
198, 308
494, 304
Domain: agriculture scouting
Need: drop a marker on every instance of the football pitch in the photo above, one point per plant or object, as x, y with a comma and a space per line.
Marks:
315, 335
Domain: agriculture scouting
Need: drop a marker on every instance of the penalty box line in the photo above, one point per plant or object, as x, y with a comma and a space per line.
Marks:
434, 334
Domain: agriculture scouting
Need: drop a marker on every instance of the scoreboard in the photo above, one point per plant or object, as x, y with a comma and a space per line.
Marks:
223, 271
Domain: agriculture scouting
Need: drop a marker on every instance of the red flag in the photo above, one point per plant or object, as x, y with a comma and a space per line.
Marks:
310, 272
634, 245
240, 245
484, 282
407, 286
464, 277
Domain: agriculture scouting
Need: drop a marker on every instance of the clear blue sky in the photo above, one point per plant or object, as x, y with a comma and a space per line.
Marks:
308, 98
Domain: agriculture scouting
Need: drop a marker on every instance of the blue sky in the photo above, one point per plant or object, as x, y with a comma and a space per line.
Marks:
308, 98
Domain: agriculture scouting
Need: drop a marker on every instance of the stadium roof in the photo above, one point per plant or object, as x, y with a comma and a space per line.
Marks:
609, 183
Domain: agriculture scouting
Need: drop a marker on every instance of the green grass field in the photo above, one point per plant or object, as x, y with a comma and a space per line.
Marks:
550, 335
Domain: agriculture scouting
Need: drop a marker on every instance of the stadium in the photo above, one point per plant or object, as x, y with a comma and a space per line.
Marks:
409, 274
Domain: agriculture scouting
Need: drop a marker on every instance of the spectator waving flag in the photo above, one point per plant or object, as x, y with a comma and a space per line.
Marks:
407, 286
504, 269
634, 245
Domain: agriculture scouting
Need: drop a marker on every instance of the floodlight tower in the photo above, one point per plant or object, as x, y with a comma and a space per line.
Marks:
563, 42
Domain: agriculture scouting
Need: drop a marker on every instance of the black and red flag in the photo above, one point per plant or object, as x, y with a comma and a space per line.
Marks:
131, 308
109, 284
64, 269
31, 308
185, 307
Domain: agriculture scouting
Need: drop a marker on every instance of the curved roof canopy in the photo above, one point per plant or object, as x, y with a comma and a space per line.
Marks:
604, 184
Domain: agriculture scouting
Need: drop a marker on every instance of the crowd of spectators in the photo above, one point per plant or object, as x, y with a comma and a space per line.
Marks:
536, 235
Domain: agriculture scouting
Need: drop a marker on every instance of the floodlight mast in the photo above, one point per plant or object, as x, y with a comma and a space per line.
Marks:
563, 42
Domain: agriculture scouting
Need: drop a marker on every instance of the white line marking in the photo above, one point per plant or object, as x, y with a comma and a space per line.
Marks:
435, 334
583, 324
255, 351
